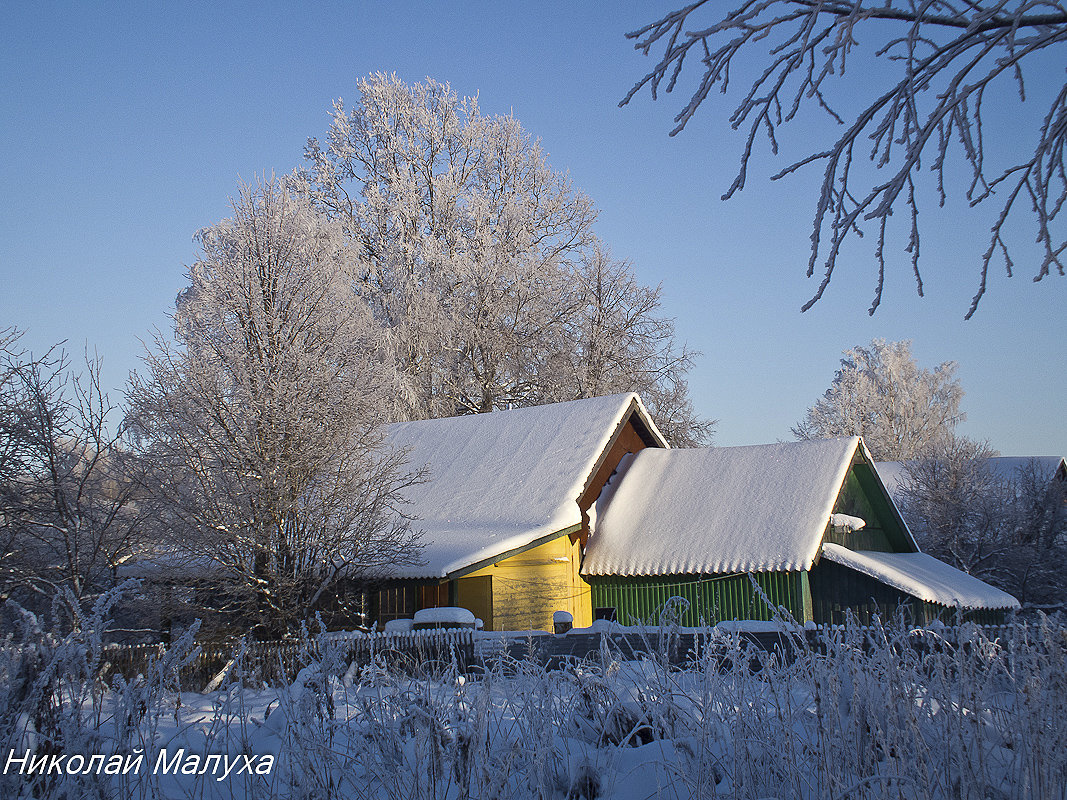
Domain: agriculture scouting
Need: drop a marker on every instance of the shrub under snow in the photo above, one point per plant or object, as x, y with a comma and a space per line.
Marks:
868, 713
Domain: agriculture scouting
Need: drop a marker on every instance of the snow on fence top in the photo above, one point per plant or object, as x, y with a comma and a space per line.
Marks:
723, 509
922, 576
501, 481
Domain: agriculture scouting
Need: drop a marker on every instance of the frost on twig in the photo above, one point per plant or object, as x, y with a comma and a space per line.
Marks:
946, 56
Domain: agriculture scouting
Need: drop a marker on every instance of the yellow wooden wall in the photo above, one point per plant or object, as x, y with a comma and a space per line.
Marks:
526, 588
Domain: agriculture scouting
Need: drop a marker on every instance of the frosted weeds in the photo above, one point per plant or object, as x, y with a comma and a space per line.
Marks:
871, 713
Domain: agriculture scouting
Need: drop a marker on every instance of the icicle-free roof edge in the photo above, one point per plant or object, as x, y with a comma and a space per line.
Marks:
716, 510
922, 576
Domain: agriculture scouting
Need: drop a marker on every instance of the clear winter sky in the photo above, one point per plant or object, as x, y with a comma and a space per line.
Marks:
125, 127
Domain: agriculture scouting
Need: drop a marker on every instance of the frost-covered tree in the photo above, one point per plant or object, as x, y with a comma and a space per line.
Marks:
1008, 529
953, 502
1038, 561
949, 65
622, 343
68, 514
263, 419
14, 430
466, 235
480, 261
901, 410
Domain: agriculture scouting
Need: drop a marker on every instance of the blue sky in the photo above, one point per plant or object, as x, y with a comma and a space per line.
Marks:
126, 127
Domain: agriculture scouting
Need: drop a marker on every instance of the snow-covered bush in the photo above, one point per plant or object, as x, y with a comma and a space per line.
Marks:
882, 711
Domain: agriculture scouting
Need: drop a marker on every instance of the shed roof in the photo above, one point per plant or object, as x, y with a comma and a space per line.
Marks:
723, 509
502, 481
922, 576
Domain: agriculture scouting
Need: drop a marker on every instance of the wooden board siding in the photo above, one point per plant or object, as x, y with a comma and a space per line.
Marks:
398, 599
888, 519
711, 598
631, 438
861, 497
476, 595
836, 588
526, 588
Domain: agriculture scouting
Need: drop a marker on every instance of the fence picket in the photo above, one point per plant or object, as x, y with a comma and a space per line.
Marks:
278, 662
426, 651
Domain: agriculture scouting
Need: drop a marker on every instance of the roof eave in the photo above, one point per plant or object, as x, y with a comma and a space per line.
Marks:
496, 559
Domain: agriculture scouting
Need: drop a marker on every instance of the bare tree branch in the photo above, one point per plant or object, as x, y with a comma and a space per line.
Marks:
262, 424
68, 514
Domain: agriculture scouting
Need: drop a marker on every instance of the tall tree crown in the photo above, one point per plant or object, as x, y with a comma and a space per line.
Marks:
901, 410
480, 263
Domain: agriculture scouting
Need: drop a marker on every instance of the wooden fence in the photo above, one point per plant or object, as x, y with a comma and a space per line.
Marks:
684, 645
278, 662
434, 651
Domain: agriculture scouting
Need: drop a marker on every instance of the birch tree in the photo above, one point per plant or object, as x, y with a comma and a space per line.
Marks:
466, 236
901, 410
263, 417
952, 66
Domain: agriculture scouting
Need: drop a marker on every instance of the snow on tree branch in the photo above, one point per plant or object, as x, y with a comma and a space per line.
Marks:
480, 263
951, 60
901, 410
263, 421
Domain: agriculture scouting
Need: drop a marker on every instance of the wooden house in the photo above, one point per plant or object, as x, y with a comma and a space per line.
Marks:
582, 507
504, 514
809, 523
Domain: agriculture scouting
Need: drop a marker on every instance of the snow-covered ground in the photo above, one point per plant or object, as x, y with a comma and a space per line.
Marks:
891, 714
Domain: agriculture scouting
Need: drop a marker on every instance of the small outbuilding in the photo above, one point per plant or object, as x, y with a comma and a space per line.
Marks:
739, 532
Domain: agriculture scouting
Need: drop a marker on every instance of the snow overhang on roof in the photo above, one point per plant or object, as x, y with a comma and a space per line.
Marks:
716, 510
922, 576
503, 481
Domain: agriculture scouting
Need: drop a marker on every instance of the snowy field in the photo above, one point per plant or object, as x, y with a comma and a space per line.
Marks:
882, 714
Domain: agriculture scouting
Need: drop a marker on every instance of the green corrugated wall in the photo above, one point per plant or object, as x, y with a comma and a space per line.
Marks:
712, 598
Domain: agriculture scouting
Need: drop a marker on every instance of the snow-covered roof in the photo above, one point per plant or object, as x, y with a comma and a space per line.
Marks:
1006, 468
168, 562
723, 509
922, 576
499, 482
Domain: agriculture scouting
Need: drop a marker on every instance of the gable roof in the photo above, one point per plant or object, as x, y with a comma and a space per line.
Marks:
723, 509
1005, 468
502, 481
